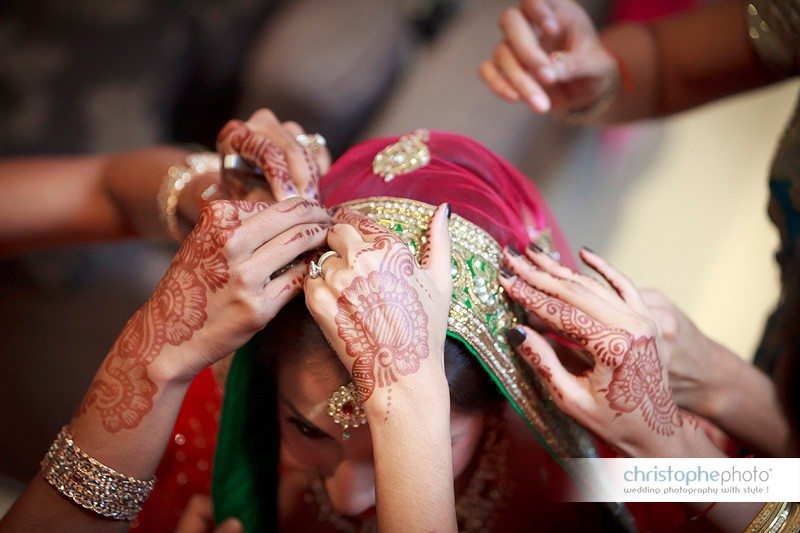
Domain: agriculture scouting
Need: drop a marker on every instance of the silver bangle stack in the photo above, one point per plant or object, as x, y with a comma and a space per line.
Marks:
91, 484
177, 178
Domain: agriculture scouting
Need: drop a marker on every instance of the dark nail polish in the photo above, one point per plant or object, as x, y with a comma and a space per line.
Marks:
533, 247
506, 273
447, 210
515, 336
589, 250
513, 251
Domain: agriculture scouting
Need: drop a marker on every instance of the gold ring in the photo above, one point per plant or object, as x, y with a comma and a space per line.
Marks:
315, 268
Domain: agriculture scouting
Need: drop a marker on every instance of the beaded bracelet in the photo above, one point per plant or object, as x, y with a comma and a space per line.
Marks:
91, 484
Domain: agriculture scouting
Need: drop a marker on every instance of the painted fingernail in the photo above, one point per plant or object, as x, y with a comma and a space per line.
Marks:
589, 250
514, 251
447, 210
533, 247
506, 273
515, 336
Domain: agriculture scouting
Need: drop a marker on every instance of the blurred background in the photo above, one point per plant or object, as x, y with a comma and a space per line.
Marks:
678, 204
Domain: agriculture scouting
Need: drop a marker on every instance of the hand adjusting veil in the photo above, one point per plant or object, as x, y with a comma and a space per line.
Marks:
398, 182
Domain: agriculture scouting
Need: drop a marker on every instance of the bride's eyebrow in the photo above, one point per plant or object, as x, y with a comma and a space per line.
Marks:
296, 413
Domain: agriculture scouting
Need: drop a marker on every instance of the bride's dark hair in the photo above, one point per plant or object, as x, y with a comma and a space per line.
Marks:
293, 335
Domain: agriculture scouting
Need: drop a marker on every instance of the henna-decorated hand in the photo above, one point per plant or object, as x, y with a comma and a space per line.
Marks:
625, 398
289, 169
217, 293
385, 316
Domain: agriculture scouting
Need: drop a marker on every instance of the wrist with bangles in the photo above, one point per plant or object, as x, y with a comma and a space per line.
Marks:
593, 111
91, 484
176, 179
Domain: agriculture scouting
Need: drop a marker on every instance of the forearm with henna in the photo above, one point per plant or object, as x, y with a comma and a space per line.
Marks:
129, 410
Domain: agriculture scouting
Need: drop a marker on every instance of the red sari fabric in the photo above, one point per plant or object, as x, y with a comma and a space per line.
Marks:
185, 468
481, 187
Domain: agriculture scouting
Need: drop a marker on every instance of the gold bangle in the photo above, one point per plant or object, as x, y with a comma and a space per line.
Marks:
91, 484
177, 178
792, 523
775, 517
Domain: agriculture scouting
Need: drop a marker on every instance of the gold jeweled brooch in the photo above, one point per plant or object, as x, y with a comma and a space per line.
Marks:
406, 155
346, 410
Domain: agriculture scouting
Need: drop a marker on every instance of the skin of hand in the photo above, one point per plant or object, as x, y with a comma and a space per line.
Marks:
711, 381
383, 314
625, 398
220, 289
551, 57
198, 517
217, 293
288, 168
386, 318
686, 354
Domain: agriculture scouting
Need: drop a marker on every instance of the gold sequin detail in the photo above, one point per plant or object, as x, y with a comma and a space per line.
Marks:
406, 155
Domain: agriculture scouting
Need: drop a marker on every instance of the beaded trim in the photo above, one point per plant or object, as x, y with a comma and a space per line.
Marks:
480, 312
91, 484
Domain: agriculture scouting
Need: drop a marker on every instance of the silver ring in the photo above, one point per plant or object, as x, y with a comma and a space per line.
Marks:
312, 141
315, 268
237, 162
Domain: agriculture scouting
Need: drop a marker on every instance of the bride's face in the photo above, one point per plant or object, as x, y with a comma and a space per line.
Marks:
312, 442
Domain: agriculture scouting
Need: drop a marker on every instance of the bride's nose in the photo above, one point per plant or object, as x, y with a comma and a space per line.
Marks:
351, 488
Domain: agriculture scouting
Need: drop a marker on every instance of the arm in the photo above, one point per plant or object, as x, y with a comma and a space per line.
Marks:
552, 58
216, 294
711, 381
51, 201
684, 61
366, 300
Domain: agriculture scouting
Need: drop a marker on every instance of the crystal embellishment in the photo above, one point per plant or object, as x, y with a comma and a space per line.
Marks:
406, 155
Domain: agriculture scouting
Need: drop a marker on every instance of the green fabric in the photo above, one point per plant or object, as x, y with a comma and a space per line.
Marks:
510, 398
245, 474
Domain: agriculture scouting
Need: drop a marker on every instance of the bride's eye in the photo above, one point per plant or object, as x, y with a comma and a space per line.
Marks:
310, 432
